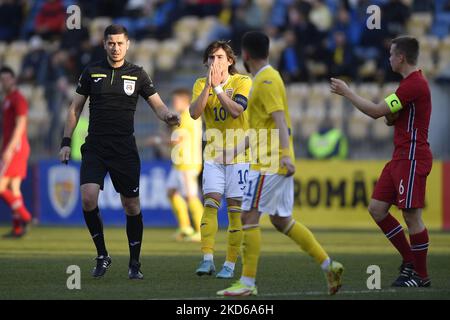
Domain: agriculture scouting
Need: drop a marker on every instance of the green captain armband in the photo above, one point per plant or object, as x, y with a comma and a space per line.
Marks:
393, 103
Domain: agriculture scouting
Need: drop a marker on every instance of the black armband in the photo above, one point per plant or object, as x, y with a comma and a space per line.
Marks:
66, 142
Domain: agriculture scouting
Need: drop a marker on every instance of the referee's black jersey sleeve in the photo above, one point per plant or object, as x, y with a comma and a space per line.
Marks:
84, 85
147, 88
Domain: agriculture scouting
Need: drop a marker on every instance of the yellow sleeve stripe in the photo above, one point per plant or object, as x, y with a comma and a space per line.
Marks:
393, 103
98, 75
129, 77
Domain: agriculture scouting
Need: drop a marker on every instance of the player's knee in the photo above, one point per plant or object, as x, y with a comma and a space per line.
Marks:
171, 193
413, 221
131, 207
377, 213
88, 202
279, 223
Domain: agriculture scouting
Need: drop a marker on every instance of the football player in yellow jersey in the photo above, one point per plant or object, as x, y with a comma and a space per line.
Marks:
270, 184
182, 185
221, 97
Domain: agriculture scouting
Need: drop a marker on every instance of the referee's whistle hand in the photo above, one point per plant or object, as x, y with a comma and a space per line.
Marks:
172, 119
64, 154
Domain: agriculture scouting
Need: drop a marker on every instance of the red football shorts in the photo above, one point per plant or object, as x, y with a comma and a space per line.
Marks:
403, 183
17, 167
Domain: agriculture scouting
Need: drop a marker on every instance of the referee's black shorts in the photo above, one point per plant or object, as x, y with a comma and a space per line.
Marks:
117, 155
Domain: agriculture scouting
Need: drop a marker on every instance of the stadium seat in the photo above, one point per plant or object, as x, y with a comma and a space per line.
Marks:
27, 91
369, 91
296, 94
3, 49
315, 110
14, 55
168, 53
146, 49
419, 23
443, 54
368, 69
276, 47
388, 89
185, 29
38, 114
336, 111
358, 125
380, 131
98, 26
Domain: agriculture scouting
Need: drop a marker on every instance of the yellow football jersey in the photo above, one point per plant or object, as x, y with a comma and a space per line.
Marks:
218, 121
268, 95
188, 153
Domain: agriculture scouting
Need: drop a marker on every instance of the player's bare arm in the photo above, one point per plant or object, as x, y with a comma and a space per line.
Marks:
196, 108
280, 121
162, 112
232, 107
373, 110
75, 109
21, 123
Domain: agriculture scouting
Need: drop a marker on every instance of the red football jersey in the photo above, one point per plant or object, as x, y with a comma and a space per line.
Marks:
14, 105
411, 127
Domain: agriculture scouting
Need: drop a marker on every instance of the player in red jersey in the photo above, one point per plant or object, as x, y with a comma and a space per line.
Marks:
403, 179
15, 151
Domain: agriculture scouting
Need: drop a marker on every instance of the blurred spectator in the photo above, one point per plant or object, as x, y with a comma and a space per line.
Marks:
308, 38
395, 15
342, 61
246, 16
328, 143
157, 22
34, 63
56, 93
292, 60
11, 15
202, 8
423, 6
320, 16
51, 19
76, 42
384, 69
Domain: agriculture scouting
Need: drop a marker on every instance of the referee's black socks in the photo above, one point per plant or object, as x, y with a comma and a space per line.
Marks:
95, 226
135, 228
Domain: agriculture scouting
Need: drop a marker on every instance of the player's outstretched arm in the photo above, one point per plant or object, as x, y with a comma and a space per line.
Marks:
75, 109
373, 110
162, 112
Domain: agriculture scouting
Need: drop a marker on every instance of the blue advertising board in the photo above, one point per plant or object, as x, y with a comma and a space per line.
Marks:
59, 199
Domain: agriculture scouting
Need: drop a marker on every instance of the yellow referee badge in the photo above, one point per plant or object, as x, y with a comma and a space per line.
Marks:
393, 103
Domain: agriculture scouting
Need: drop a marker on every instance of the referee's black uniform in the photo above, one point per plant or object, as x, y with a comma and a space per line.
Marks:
110, 145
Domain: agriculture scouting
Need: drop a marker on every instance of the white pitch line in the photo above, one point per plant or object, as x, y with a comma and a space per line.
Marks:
314, 293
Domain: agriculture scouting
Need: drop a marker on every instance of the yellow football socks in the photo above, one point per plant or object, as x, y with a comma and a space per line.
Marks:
234, 233
251, 248
196, 208
307, 242
180, 209
209, 225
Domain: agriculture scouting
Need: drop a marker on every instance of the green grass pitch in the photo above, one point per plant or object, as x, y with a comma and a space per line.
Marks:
35, 267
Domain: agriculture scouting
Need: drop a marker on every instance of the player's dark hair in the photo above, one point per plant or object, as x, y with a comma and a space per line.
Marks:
182, 92
115, 29
6, 69
409, 47
256, 43
221, 44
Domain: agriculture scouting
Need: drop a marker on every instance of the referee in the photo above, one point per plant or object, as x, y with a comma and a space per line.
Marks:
113, 86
